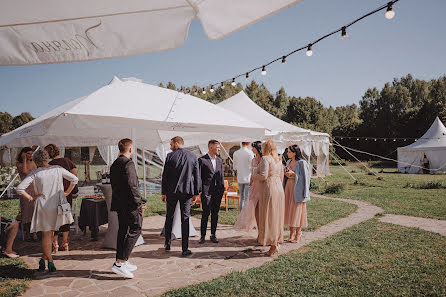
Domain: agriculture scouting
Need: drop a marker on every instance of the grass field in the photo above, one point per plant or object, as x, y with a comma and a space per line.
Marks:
14, 277
320, 211
390, 190
369, 259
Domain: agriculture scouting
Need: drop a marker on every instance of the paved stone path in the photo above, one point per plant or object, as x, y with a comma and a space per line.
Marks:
432, 225
85, 270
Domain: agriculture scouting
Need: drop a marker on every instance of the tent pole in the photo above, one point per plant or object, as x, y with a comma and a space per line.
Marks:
144, 171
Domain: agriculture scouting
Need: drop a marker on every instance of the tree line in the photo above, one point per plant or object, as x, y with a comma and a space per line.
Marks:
405, 107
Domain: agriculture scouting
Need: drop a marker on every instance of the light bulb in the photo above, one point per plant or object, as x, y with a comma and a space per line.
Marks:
222, 85
284, 60
263, 70
357, 138
204, 91
309, 51
344, 33
247, 75
394, 140
212, 89
389, 13
233, 82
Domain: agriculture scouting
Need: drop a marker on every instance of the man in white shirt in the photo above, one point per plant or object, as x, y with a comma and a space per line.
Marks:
242, 163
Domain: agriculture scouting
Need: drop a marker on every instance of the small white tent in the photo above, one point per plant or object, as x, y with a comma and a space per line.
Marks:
148, 114
283, 133
432, 144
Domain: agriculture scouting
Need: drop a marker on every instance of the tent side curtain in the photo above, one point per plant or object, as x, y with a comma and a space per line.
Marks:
109, 153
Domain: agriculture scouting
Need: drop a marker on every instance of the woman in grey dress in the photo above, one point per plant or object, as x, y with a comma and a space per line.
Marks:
49, 193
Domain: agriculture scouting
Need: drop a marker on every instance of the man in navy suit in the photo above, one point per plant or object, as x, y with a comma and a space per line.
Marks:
180, 182
212, 189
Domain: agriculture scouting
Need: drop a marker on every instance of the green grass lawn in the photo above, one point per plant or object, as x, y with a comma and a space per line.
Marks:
14, 277
369, 259
320, 211
391, 192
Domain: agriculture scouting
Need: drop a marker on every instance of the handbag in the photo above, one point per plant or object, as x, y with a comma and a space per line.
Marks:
64, 207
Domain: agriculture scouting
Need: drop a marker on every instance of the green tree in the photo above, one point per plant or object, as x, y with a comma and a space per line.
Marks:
5, 122
21, 119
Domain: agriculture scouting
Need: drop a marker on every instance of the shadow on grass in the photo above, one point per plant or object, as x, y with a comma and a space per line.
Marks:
15, 271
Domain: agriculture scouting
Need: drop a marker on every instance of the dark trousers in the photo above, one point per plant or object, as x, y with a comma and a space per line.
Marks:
185, 201
130, 224
211, 206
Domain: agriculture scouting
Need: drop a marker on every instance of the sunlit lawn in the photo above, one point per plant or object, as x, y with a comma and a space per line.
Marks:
390, 191
369, 259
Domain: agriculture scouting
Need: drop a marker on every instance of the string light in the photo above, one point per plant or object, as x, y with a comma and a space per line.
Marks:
204, 91
309, 50
212, 89
389, 13
195, 91
222, 85
344, 33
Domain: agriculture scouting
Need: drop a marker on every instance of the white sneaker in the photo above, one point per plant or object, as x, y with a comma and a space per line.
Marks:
129, 266
122, 270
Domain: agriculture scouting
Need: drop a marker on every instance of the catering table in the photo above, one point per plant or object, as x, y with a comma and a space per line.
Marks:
113, 224
93, 214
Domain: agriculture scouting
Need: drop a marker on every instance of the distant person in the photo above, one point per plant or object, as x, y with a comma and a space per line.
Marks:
9, 229
297, 192
180, 182
249, 216
425, 164
242, 163
128, 203
212, 189
49, 194
272, 199
25, 165
54, 153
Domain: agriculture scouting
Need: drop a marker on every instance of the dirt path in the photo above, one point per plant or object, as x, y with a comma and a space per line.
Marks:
432, 225
85, 270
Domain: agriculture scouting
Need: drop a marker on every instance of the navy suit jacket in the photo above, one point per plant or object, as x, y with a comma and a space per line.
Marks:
211, 181
181, 173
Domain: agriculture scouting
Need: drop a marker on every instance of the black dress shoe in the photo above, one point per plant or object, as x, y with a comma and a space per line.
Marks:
214, 239
202, 240
186, 253
167, 247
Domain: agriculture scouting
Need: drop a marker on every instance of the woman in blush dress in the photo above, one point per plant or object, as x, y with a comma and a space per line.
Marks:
248, 217
272, 198
49, 194
25, 165
297, 193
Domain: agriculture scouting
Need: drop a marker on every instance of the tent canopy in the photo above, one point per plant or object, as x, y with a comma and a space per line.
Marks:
53, 31
244, 106
432, 144
283, 133
148, 114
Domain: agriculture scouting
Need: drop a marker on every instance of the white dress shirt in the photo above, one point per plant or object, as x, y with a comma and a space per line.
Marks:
213, 161
242, 163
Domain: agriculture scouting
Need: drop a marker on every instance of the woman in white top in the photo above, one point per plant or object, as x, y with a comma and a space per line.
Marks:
49, 191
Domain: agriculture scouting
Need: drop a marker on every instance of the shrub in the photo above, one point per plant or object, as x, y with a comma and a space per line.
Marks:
313, 185
334, 189
426, 186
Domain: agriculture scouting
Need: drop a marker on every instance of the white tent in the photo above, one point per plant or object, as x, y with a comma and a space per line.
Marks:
283, 133
432, 143
54, 31
148, 114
